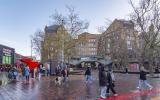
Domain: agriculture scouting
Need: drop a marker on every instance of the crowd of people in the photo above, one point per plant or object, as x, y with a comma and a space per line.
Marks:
106, 76
107, 80
17, 73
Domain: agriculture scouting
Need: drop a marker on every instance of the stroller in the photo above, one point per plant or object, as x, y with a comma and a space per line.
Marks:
12, 74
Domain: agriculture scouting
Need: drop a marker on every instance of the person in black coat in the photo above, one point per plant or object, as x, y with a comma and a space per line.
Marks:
143, 79
102, 81
89, 77
110, 84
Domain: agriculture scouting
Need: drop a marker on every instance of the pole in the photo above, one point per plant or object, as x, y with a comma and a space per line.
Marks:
32, 72
31, 48
62, 42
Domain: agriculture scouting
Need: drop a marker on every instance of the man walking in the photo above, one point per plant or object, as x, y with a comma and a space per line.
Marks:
143, 79
102, 81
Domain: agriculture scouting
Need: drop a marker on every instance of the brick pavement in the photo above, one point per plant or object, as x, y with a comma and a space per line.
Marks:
76, 89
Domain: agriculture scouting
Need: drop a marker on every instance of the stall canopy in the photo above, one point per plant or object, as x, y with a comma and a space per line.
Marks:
32, 64
26, 60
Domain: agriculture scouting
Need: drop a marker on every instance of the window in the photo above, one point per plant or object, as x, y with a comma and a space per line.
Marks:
52, 43
108, 45
6, 59
108, 50
109, 40
82, 44
129, 46
91, 44
51, 48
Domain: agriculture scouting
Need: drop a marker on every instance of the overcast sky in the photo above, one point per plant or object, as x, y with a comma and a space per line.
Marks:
21, 18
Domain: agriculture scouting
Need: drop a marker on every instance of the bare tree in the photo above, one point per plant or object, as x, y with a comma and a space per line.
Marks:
103, 28
72, 21
73, 25
37, 39
147, 21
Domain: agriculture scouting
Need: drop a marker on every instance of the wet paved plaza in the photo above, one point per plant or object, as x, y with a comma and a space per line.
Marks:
77, 89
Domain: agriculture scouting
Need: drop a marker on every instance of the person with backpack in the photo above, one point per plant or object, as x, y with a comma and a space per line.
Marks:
102, 81
143, 79
111, 82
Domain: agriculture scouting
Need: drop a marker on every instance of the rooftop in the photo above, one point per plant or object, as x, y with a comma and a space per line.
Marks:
52, 28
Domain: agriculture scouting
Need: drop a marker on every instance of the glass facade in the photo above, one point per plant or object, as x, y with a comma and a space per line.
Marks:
6, 60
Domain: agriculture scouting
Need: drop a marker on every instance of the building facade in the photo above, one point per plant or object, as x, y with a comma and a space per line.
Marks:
87, 44
6, 55
55, 44
119, 42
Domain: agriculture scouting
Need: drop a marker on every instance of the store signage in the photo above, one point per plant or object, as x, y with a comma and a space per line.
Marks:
7, 52
7, 56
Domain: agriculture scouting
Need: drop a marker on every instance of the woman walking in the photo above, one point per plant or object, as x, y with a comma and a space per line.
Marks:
143, 79
110, 84
26, 71
65, 73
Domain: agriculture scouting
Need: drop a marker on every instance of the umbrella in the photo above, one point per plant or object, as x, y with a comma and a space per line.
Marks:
32, 64
26, 60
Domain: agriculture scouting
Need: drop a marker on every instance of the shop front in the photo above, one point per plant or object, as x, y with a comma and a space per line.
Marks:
6, 62
6, 55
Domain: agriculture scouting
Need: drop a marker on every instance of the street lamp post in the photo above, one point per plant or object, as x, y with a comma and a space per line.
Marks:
62, 41
31, 48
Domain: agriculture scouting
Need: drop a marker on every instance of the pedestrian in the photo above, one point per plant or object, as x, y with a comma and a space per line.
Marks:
89, 77
111, 82
15, 73
36, 72
58, 80
143, 79
65, 73
58, 70
26, 73
23, 72
102, 81
62, 65
126, 70
19, 73
48, 69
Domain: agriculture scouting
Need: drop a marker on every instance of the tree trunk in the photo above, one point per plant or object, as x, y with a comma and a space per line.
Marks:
151, 71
